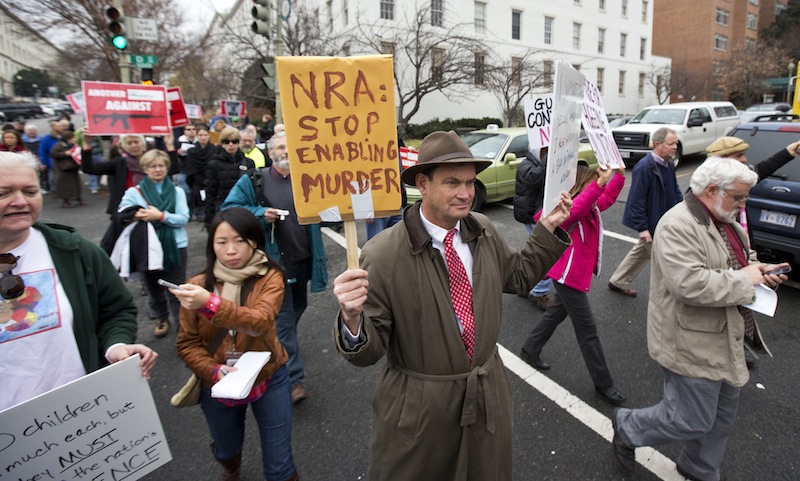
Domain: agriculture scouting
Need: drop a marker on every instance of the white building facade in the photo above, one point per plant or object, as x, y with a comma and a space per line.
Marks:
21, 47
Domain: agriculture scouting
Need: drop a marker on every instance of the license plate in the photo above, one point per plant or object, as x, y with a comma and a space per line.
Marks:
778, 218
624, 154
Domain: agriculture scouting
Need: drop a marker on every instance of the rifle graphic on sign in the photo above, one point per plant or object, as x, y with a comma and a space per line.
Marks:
120, 118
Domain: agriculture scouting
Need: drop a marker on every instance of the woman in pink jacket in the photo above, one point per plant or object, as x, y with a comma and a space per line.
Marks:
593, 193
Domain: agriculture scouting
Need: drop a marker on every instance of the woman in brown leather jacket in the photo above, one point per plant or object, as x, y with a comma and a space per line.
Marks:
238, 297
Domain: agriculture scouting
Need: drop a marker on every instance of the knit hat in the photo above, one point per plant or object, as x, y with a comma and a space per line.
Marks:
725, 146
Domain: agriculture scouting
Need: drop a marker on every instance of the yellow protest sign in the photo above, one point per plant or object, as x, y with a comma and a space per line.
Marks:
341, 133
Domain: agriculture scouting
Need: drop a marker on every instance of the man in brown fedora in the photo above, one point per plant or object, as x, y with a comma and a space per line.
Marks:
429, 297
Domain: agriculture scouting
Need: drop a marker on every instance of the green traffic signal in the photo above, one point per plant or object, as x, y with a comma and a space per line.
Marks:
119, 42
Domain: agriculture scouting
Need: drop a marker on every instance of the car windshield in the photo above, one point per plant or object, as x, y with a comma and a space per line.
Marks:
659, 116
485, 145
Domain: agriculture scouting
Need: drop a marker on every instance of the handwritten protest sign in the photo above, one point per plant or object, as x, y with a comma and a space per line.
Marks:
340, 129
177, 111
596, 124
116, 108
102, 427
537, 121
193, 111
562, 163
233, 108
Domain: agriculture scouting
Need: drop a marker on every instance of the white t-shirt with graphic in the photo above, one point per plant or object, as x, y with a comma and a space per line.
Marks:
38, 351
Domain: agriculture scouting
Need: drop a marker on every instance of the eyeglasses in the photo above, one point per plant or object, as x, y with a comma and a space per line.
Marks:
188, 128
11, 285
739, 199
226, 141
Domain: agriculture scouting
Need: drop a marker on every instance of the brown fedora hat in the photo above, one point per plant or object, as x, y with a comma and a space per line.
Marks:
440, 148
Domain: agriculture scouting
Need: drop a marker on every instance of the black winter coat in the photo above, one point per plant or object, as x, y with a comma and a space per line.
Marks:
221, 175
529, 188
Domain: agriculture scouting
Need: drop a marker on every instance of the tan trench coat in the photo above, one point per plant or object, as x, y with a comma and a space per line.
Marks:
435, 416
693, 326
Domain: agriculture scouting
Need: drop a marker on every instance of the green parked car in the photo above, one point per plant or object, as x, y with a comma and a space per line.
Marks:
506, 148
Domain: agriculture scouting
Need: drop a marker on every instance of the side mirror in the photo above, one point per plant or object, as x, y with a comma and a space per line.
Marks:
695, 123
510, 157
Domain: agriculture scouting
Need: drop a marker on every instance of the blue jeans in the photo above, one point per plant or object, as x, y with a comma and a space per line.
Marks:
543, 287
94, 181
180, 181
380, 224
295, 301
273, 413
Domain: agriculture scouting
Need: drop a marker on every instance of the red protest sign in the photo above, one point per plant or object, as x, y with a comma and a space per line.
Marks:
233, 108
177, 111
408, 157
117, 108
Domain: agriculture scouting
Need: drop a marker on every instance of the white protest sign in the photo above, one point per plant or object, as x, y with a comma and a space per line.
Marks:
562, 161
537, 121
233, 108
102, 427
193, 111
596, 124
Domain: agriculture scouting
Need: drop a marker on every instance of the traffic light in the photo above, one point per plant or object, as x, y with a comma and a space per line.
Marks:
261, 15
116, 24
269, 80
147, 76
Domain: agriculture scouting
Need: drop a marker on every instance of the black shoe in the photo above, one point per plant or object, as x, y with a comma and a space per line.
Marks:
533, 361
688, 476
624, 454
611, 394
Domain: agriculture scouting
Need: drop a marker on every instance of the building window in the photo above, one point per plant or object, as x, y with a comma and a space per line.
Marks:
644, 11
659, 85
621, 82
641, 84
642, 48
720, 42
752, 21
600, 74
548, 30
437, 13
749, 43
576, 36
601, 40
779, 8
516, 24
516, 71
387, 48
547, 73
346, 50
576, 2
753, 2
480, 18
387, 9
602, 5
624, 8
345, 11
623, 40
723, 17
437, 61
480, 68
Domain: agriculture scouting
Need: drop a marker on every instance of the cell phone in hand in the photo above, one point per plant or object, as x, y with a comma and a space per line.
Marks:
162, 282
780, 270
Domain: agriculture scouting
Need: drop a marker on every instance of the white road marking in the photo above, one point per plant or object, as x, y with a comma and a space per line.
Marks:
653, 460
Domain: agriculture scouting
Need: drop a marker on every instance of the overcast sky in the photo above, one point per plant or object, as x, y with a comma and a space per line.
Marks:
200, 12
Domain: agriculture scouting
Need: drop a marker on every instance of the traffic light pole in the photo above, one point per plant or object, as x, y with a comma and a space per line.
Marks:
278, 52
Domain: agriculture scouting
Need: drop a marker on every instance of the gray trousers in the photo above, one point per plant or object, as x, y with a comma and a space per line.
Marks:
698, 412
632, 265
572, 302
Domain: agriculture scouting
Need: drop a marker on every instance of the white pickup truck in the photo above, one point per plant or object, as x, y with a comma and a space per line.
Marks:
696, 123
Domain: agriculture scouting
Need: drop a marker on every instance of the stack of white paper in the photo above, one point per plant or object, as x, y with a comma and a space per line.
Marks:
238, 384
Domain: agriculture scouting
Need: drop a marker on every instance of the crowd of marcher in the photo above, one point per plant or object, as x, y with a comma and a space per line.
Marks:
443, 406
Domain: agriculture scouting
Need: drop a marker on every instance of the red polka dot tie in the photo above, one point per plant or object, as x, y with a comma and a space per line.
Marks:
460, 292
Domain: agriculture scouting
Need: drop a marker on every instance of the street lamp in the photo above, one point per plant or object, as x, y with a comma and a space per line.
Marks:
789, 83
35, 92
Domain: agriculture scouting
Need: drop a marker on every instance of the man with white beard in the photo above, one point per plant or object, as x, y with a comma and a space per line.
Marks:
267, 193
703, 274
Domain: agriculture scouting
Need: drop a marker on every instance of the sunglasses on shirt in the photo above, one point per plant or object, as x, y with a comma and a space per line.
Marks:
11, 285
226, 141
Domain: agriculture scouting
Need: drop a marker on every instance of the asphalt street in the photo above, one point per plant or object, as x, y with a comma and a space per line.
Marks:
562, 430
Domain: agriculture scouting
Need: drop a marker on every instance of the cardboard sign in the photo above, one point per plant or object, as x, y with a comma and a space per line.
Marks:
177, 111
77, 102
213, 137
233, 108
562, 163
596, 124
408, 157
537, 121
340, 129
116, 109
193, 111
102, 427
